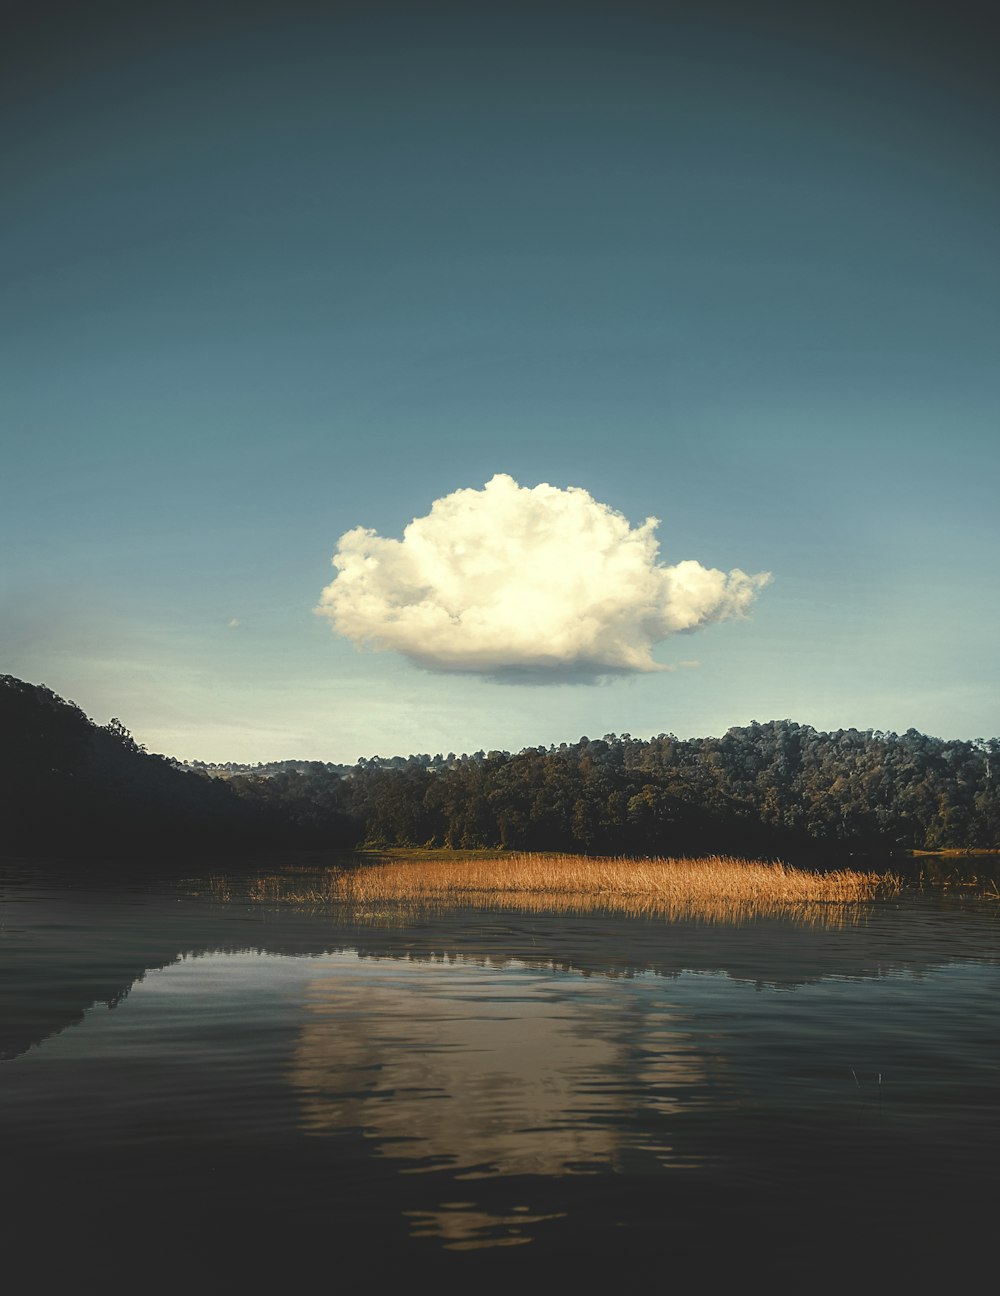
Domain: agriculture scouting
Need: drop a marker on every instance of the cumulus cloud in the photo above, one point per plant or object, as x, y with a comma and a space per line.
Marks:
514, 579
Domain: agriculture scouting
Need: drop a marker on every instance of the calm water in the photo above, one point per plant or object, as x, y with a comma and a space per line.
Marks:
230, 1095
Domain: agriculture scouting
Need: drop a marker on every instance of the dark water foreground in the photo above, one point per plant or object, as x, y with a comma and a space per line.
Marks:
228, 1097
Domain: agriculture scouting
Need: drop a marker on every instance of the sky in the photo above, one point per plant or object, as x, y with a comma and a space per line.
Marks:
636, 362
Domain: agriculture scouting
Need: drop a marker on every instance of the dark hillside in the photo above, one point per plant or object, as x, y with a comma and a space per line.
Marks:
774, 789
76, 788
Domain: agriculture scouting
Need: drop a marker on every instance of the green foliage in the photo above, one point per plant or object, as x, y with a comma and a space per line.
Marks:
771, 788
766, 789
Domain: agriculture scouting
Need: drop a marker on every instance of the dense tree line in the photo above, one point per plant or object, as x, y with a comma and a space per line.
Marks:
775, 788
769, 787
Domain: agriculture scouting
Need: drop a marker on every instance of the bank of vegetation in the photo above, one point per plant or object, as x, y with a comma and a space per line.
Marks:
712, 888
770, 790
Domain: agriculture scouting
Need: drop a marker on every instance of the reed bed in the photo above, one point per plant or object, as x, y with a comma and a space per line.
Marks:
717, 885
714, 878
827, 914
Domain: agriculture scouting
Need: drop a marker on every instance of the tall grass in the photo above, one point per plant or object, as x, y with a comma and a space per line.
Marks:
716, 877
718, 888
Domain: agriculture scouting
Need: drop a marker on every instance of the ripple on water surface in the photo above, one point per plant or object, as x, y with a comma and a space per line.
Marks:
468, 1084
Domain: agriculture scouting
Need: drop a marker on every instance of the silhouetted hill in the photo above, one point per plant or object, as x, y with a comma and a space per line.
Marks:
77, 788
778, 788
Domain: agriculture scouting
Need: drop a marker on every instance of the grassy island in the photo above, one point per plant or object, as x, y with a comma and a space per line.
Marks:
716, 886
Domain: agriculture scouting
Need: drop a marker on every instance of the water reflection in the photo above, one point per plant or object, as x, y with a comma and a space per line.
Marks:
718, 911
464, 1081
462, 1226
65, 947
491, 1073
501, 1075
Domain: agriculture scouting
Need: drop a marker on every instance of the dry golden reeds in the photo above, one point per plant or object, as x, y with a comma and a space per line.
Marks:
716, 877
717, 888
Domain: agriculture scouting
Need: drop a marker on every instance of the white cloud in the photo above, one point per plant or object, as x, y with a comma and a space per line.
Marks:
507, 578
233, 623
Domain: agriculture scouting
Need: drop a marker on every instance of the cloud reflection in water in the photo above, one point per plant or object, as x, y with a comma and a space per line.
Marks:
489, 1072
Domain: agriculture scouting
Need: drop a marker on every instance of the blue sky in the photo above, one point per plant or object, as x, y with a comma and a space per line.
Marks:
275, 272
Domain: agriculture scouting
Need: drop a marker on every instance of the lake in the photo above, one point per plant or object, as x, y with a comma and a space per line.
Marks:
231, 1095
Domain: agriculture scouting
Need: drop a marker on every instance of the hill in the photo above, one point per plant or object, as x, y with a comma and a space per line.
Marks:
778, 788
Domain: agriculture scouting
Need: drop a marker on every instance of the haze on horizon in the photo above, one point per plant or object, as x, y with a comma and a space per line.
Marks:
289, 280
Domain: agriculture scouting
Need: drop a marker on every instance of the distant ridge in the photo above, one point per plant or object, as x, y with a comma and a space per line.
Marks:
777, 788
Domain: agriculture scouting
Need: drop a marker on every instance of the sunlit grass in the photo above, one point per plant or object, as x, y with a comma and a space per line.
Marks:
956, 852
717, 888
716, 877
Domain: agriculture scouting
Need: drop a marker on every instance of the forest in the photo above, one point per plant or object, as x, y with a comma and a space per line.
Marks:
777, 788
